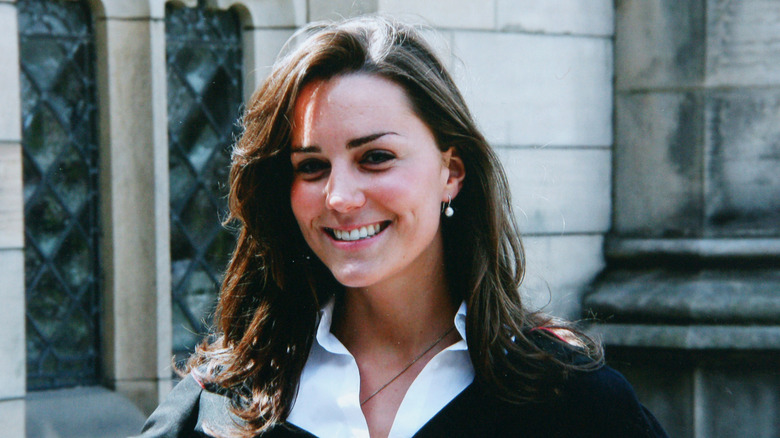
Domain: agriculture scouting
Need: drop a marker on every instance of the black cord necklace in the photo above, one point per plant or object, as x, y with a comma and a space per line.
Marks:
409, 365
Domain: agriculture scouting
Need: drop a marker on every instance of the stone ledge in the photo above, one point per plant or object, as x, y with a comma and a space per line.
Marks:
85, 412
698, 337
12, 418
698, 297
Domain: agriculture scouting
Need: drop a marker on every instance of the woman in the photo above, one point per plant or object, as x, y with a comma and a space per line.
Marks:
373, 289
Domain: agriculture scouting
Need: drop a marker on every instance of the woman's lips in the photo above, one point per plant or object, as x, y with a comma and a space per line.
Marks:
357, 233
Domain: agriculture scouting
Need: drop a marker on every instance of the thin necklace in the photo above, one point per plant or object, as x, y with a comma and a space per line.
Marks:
409, 365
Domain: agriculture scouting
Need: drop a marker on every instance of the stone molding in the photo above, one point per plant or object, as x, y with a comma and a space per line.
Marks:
713, 249
682, 296
12, 290
682, 337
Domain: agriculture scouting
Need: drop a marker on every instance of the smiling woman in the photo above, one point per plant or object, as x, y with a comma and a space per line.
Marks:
376, 165
373, 289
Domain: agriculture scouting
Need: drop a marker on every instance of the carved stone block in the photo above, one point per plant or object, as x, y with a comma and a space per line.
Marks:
743, 163
659, 43
658, 164
743, 42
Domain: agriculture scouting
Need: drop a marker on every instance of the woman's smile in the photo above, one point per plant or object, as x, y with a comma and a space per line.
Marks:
362, 232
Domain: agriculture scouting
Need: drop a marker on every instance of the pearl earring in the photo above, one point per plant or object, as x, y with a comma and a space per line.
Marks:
448, 210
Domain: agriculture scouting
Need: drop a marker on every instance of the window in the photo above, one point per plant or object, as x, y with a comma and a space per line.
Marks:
59, 146
204, 98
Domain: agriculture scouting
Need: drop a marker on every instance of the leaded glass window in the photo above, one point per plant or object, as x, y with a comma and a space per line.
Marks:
59, 145
204, 98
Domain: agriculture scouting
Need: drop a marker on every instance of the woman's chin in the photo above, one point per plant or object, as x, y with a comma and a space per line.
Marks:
353, 282
352, 278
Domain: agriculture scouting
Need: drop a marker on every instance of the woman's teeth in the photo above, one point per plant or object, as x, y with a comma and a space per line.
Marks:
357, 233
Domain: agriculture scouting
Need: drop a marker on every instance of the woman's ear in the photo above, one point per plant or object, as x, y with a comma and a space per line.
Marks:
456, 172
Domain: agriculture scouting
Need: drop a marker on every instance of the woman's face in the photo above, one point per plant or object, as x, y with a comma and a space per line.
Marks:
368, 181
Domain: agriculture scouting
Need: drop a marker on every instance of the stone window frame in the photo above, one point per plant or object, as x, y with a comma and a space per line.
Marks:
134, 191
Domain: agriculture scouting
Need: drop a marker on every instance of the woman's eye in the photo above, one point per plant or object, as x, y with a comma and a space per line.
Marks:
310, 167
377, 157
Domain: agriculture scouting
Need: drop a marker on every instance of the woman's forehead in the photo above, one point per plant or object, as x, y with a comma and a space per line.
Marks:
366, 101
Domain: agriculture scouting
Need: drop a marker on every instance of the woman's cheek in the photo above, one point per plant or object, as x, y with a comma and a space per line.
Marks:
299, 200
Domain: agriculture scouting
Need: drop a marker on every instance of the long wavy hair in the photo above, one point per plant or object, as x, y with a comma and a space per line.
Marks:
274, 285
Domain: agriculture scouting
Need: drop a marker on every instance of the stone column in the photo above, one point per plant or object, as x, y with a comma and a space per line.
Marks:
12, 343
692, 288
135, 200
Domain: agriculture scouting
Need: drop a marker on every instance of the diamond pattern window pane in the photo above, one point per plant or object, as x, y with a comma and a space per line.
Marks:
59, 144
204, 98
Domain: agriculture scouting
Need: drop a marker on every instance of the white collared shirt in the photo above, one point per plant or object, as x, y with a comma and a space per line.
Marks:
328, 403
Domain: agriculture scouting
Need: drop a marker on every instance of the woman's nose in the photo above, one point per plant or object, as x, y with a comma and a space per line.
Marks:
343, 191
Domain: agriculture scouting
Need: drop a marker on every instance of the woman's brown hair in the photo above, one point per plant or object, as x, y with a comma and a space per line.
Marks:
274, 285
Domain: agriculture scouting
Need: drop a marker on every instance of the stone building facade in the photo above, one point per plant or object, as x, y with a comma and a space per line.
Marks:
639, 138
692, 285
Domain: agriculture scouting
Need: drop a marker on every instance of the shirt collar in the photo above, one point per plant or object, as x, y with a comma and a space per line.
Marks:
460, 326
325, 338
329, 342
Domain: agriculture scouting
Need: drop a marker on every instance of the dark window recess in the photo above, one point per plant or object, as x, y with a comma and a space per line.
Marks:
59, 144
204, 99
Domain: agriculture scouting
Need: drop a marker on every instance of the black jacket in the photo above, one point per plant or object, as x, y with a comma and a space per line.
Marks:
598, 403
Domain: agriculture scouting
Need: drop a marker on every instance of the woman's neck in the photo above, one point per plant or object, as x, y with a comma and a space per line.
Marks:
398, 315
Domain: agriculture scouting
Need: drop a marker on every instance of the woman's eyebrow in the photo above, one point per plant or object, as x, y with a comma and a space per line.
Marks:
305, 149
354, 143
360, 141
